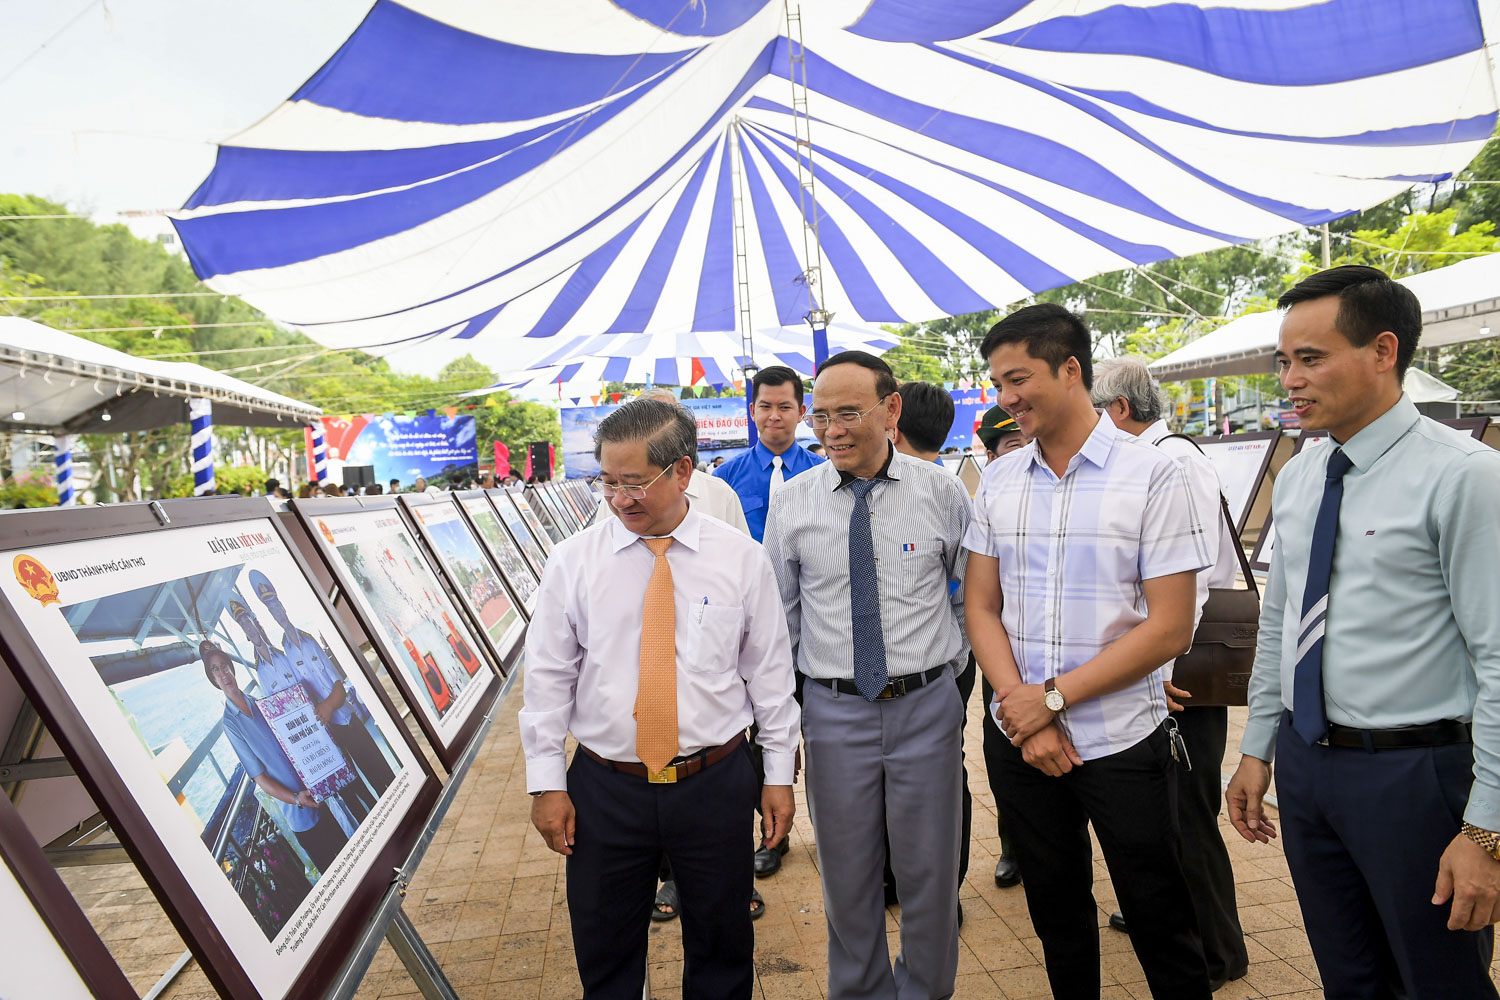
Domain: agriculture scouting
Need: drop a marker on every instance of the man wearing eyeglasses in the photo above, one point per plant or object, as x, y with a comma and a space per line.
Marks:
756, 475
656, 659
864, 548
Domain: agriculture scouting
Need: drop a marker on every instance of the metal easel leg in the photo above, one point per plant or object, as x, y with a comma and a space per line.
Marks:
168, 976
420, 964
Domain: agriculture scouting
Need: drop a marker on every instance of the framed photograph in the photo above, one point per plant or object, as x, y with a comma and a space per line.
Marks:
63, 956
401, 605
526, 531
570, 499
1260, 559
223, 722
1241, 461
544, 498
470, 571
543, 528
520, 576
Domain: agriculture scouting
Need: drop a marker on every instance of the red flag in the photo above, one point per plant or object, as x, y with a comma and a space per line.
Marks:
526, 473
614, 397
552, 459
698, 372
502, 461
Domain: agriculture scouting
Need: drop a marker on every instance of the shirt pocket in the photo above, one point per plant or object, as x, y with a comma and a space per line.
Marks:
922, 572
713, 638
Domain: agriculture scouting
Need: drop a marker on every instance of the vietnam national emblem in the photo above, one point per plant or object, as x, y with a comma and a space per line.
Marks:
326, 530
36, 578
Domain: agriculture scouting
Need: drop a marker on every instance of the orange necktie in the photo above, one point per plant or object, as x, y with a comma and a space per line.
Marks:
656, 698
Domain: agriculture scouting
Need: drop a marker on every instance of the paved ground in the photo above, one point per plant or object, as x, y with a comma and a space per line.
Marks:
489, 902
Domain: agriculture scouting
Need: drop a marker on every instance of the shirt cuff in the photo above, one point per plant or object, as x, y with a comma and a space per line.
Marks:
547, 774
1483, 809
1259, 740
780, 766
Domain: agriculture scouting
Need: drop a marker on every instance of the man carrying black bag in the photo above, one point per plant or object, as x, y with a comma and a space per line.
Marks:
1126, 391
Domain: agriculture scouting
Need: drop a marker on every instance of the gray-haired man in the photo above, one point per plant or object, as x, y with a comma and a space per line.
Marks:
1126, 391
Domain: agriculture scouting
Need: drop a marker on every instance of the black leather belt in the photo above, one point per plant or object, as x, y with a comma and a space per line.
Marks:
676, 771
1436, 734
895, 689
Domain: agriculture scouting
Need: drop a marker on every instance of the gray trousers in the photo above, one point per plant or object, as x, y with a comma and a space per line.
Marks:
875, 768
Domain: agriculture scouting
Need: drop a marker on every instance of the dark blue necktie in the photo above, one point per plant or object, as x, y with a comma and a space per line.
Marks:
1308, 718
870, 677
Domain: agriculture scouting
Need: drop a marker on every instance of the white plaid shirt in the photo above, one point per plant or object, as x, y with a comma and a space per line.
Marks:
1073, 553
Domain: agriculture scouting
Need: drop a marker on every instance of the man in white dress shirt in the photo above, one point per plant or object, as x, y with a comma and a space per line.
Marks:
659, 637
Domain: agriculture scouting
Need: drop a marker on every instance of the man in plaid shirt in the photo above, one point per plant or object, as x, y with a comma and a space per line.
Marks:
1084, 549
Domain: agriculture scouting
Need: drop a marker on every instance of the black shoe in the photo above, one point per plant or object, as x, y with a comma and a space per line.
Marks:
1117, 921
960, 914
1215, 985
1007, 872
768, 861
891, 899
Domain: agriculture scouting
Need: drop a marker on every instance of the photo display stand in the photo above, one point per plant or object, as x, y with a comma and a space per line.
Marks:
1242, 461
520, 576
51, 948
526, 532
404, 608
493, 611
1260, 559
537, 516
241, 750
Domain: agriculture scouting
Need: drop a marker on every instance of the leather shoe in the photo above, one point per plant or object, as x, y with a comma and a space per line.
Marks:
1117, 921
1007, 872
768, 860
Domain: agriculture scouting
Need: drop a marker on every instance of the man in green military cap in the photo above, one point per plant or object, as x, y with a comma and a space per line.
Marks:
999, 433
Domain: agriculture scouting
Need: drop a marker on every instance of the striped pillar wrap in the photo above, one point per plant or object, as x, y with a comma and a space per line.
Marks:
62, 459
320, 453
201, 418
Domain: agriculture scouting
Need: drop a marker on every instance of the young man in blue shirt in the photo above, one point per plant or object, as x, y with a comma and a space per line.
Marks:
777, 407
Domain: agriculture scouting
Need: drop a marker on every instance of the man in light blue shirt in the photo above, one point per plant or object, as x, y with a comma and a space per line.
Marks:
777, 407
1379, 655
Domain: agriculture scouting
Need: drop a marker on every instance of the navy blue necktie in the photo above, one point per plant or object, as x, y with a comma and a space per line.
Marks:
1308, 718
870, 677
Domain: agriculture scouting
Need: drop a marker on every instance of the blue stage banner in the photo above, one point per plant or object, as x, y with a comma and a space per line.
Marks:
442, 450
968, 408
723, 429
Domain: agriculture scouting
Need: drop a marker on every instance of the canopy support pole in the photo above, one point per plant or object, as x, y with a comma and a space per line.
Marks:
742, 282
319, 453
807, 188
62, 460
201, 419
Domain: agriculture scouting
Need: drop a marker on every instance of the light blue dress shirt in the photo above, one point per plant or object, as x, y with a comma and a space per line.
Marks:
1413, 633
750, 474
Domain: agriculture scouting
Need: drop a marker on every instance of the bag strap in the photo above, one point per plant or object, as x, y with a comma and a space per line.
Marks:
1239, 548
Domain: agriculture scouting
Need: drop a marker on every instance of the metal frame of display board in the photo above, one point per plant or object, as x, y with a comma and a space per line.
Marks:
128, 819
1265, 464
538, 513
508, 511
410, 504
1475, 426
308, 510
58, 910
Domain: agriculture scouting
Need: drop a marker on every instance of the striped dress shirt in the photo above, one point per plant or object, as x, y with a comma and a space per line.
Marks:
1073, 552
918, 515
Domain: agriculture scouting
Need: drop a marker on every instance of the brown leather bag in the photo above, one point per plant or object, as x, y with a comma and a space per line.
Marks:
1216, 670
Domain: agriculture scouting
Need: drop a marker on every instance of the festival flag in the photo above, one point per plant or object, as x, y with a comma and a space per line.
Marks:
697, 372
502, 461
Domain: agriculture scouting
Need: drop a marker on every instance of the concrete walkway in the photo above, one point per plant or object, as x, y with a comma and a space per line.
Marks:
489, 901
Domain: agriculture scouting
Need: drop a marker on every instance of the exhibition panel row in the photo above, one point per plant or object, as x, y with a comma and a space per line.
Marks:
199, 663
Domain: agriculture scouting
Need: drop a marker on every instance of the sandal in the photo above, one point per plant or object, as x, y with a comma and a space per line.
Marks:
757, 905
666, 896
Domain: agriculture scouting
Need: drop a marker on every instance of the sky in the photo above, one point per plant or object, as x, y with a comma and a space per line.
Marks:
114, 106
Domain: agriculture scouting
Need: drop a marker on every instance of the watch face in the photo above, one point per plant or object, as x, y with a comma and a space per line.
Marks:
1055, 701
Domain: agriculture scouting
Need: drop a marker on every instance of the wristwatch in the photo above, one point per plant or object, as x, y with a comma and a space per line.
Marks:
1486, 839
1054, 698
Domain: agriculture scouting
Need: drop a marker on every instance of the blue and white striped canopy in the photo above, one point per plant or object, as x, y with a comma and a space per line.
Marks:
514, 169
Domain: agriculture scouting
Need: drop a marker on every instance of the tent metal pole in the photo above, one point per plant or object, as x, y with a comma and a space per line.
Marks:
807, 188
742, 280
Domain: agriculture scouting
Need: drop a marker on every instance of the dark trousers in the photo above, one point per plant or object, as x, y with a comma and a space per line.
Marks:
966, 801
359, 746
1205, 859
323, 842
994, 756
1363, 832
624, 825
1130, 797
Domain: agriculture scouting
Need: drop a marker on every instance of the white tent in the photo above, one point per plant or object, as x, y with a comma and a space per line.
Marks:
1459, 303
66, 385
